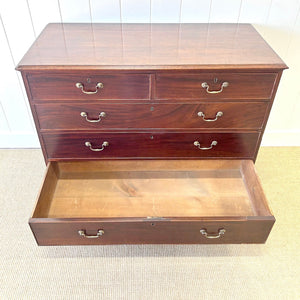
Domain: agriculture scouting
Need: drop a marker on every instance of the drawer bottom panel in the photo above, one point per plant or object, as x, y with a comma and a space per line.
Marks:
150, 145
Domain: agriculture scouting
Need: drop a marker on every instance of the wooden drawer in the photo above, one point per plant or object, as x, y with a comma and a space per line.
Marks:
62, 85
149, 144
83, 116
129, 202
240, 86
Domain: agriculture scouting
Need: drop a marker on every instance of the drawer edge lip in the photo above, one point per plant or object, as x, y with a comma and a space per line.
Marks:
151, 68
156, 220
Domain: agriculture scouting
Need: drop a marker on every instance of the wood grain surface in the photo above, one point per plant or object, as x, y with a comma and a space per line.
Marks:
49, 232
62, 85
148, 46
119, 116
241, 86
149, 144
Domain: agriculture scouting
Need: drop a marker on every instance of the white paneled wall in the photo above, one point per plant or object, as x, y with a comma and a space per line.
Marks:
21, 21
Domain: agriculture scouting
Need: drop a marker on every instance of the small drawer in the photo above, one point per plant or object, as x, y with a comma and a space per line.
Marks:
87, 86
145, 202
215, 86
107, 145
103, 116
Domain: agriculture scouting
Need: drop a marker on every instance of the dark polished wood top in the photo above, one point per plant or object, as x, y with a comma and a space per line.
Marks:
150, 46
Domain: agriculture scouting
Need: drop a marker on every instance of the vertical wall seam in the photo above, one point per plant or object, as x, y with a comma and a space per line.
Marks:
120, 6
31, 20
150, 11
293, 30
7, 41
5, 117
180, 12
59, 9
240, 9
268, 13
90, 10
209, 13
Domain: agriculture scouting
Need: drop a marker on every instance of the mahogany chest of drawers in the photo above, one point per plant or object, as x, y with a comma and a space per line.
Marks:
150, 132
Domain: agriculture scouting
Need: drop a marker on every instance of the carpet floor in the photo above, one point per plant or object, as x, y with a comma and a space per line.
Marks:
268, 271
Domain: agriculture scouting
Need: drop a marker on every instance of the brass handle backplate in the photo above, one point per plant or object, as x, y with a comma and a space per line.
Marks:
217, 235
213, 143
83, 233
80, 85
104, 144
202, 115
101, 115
206, 87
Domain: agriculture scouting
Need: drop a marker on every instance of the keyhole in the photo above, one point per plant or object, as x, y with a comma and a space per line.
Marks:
88, 80
151, 137
151, 108
215, 80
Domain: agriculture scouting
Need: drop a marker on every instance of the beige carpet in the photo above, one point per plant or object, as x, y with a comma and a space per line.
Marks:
269, 271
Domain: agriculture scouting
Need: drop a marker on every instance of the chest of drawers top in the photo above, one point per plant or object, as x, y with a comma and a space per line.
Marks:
150, 47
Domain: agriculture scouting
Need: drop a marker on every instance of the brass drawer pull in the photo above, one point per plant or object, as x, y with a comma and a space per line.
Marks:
220, 233
83, 233
101, 115
206, 87
104, 144
79, 85
213, 143
218, 114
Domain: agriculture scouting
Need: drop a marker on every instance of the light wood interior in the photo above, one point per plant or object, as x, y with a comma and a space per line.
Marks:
108, 189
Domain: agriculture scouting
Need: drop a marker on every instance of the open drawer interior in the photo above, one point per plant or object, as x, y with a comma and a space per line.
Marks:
151, 189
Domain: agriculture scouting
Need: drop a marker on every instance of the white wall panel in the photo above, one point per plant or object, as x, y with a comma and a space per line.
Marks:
105, 11
280, 23
12, 98
75, 11
195, 11
135, 11
293, 59
166, 11
277, 21
279, 31
225, 11
18, 26
43, 12
3, 121
254, 11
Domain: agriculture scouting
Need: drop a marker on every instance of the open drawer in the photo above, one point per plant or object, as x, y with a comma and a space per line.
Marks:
151, 201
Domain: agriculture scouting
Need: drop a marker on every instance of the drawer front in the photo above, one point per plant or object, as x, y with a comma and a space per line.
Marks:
152, 232
54, 86
134, 116
149, 145
213, 86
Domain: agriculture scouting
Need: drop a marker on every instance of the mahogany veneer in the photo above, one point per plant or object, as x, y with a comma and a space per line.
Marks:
179, 116
137, 123
149, 144
241, 86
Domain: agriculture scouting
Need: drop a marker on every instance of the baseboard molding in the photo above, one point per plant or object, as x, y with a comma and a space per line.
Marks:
19, 140
281, 138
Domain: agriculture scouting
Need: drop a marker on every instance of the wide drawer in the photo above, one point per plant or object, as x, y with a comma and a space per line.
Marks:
215, 86
130, 202
85, 116
106, 145
87, 86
